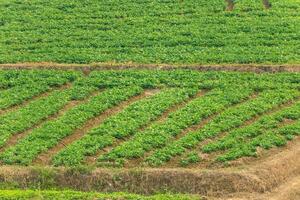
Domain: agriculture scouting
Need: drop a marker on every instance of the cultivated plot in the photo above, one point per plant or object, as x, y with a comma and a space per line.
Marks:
144, 118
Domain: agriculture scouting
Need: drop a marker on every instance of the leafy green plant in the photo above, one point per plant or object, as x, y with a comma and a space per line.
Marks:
51, 132
155, 32
122, 125
225, 121
158, 134
190, 158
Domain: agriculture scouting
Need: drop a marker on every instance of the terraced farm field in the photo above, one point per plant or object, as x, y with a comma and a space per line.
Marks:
165, 123
144, 118
149, 32
150, 100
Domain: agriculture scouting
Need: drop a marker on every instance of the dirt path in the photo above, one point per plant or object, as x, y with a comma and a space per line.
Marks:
288, 191
259, 68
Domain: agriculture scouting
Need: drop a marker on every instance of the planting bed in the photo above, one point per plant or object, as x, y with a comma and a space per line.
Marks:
181, 123
149, 32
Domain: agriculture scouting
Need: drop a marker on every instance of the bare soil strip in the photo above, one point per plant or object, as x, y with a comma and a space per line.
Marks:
26, 102
45, 158
276, 169
259, 68
288, 189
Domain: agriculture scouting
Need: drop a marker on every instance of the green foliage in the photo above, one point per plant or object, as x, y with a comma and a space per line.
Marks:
49, 134
74, 195
23, 85
158, 134
122, 125
231, 118
190, 158
12, 78
265, 140
183, 108
180, 32
263, 124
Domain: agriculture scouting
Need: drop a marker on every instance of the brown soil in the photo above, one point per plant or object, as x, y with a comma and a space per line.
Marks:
267, 4
119, 66
230, 5
45, 158
287, 191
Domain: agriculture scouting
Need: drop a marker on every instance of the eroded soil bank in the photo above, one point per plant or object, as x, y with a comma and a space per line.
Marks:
263, 177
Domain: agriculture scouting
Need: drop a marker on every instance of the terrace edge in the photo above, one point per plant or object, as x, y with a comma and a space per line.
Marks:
260, 178
258, 68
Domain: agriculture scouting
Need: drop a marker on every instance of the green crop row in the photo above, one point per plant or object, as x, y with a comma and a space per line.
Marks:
175, 32
267, 131
74, 195
19, 120
159, 134
19, 87
51, 132
265, 140
122, 125
192, 78
11, 78
16, 95
264, 123
150, 78
135, 131
225, 121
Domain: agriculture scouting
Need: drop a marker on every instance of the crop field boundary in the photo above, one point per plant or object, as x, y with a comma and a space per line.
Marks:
260, 178
259, 68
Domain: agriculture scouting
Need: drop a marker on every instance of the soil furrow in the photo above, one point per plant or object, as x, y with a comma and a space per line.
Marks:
258, 68
45, 158
209, 159
36, 97
136, 162
91, 160
174, 161
17, 137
